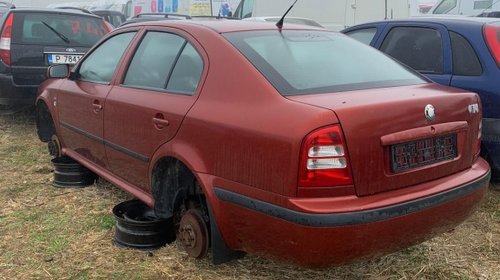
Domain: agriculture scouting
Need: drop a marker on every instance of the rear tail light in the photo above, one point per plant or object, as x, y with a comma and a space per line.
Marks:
478, 140
324, 160
492, 37
5, 39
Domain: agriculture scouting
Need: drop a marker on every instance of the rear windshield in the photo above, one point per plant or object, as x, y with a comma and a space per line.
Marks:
43, 29
302, 62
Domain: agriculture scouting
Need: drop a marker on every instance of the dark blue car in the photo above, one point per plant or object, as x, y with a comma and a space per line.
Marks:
462, 52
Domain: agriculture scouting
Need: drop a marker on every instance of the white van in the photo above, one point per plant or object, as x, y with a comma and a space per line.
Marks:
332, 14
465, 7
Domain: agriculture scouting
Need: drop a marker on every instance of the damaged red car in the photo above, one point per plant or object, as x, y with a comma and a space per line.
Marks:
297, 143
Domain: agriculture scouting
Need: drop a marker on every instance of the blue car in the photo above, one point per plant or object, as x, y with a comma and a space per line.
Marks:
462, 52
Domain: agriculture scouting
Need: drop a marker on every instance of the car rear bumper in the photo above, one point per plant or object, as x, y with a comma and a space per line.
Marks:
323, 239
13, 94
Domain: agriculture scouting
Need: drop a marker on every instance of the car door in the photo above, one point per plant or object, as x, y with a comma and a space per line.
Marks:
425, 47
158, 88
80, 100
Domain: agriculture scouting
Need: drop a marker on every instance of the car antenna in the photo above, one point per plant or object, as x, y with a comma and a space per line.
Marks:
489, 7
279, 24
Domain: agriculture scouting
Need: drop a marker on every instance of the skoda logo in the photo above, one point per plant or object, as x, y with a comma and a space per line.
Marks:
70, 50
429, 112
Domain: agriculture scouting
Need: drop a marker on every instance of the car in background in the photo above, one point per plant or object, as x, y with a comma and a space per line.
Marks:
5, 6
493, 14
293, 20
33, 39
308, 146
462, 52
115, 18
154, 17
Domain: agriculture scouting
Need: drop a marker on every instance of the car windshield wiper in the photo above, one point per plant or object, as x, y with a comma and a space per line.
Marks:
59, 34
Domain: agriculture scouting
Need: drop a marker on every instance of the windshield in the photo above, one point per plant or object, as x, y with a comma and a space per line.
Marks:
445, 6
301, 62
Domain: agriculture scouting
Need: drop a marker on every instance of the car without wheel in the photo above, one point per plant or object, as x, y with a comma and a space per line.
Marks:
31, 40
277, 142
462, 52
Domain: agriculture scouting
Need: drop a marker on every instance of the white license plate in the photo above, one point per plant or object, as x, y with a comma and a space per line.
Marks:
64, 58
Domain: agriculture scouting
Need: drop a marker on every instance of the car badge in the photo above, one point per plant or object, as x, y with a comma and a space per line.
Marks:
429, 112
473, 108
70, 50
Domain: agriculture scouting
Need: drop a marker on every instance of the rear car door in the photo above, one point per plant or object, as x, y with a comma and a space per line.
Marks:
158, 88
425, 47
81, 102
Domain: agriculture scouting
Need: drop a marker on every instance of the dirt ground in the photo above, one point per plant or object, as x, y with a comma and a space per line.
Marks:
53, 233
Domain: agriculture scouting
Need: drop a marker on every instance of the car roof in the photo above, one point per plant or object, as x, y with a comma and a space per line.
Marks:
54, 10
442, 19
221, 25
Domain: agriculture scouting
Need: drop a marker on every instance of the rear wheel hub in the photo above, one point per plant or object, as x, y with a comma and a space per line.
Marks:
193, 234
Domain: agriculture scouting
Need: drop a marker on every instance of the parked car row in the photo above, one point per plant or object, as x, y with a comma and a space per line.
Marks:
294, 142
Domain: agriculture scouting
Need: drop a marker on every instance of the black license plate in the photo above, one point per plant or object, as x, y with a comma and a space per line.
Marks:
423, 152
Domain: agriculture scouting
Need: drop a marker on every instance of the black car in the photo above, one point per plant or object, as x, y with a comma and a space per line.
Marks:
31, 40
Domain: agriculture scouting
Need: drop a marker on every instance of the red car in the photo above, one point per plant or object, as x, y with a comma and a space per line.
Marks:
299, 144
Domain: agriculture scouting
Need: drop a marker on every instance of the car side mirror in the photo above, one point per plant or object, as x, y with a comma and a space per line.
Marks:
58, 71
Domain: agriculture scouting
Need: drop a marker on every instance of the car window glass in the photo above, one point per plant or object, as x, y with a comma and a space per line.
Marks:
187, 71
420, 48
153, 60
363, 35
465, 60
306, 62
100, 65
43, 28
445, 6
483, 4
247, 9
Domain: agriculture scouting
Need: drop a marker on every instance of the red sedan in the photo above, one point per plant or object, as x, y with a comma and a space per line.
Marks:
298, 144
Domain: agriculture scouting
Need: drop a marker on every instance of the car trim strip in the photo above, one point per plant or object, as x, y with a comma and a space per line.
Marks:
105, 142
350, 218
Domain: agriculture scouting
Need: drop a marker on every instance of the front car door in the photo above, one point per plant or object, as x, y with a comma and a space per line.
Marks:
80, 105
145, 111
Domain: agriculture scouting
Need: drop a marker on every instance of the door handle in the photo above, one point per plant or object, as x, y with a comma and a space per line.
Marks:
160, 122
97, 106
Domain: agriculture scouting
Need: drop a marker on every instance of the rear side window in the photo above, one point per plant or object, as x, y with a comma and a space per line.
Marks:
306, 62
47, 28
100, 65
420, 48
165, 61
365, 36
465, 60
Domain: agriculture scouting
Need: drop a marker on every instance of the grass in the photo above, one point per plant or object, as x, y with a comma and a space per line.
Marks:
51, 233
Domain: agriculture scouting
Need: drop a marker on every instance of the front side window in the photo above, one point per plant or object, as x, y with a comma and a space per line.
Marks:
420, 48
365, 36
100, 65
165, 61
247, 9
304, 62
445, 6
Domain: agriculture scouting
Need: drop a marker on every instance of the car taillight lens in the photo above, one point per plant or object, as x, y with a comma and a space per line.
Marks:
324, 161
5, 39
492, 37
478, 143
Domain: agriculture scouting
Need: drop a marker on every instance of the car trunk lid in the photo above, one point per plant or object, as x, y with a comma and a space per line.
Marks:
391, 144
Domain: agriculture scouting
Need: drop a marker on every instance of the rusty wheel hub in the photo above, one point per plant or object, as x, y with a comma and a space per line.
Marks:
193, 234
